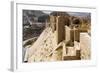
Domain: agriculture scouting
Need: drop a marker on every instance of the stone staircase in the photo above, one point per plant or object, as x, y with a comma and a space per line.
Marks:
71, 53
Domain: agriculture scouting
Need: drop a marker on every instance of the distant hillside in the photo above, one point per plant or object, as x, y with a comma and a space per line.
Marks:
43, 18
35, 13
30, 23
28, 15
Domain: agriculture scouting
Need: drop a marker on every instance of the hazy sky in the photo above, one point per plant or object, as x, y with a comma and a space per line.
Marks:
47, 12
71, 13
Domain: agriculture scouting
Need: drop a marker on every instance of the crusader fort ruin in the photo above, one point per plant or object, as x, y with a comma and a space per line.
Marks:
64, 37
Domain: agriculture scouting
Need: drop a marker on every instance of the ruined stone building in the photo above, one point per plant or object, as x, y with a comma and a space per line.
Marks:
60, 41
60, 25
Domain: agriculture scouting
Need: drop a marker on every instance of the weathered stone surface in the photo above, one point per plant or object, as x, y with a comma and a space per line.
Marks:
60, 25
53, 22
85, 44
